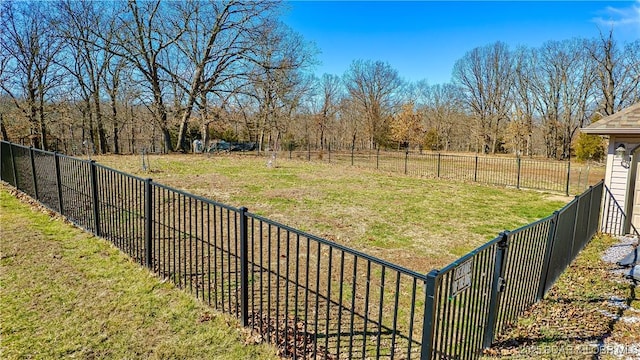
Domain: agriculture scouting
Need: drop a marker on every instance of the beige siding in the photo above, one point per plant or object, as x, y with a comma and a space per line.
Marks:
617, 176
618, 179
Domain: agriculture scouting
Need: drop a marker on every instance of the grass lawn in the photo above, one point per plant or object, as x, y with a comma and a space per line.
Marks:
66, 294
416, 222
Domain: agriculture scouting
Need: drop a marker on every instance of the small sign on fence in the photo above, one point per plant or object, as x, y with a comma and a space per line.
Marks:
461, 277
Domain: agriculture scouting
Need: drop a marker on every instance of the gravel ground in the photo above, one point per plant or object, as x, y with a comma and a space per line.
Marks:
622, 249
630, 315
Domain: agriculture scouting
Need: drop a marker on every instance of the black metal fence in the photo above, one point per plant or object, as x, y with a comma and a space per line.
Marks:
482, 293
558, 176
312, 297
615, 221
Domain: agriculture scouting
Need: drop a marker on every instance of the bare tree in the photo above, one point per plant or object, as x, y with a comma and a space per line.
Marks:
486, 76
276, 80
374, 88
351, 123
145, 32
29, 48
219, 36
330, 95
89, 58
563, 82
618, 76
440, 106
116, 74
524, 100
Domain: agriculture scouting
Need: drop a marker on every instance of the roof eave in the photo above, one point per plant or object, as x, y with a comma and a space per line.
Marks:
618, 131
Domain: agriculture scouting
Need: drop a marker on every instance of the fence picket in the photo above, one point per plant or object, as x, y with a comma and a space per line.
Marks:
148, 223
162, 228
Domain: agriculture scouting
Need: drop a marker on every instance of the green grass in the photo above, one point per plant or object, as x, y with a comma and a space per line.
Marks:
66, 294
429, 222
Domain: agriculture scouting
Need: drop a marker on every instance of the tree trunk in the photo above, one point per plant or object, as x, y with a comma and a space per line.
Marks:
182, 144
167, 139
102, 134
205, 134
3, 129
261, 141
116, 130
133, 139
43, 126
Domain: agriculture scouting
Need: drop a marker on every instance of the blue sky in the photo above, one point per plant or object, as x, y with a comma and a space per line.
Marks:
423, 39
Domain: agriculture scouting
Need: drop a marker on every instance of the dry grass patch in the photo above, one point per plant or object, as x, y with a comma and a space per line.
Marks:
68, 294
420, 223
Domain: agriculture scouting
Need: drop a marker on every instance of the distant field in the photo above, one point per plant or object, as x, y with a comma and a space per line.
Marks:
418, 223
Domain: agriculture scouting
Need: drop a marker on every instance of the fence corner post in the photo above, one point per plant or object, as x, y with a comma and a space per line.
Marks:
94, 196
429, 323
244, 268
148, 223
498, 286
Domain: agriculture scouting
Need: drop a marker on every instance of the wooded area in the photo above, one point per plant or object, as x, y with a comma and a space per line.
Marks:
120, 77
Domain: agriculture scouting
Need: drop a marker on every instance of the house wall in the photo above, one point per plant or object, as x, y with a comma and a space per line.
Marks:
617, 176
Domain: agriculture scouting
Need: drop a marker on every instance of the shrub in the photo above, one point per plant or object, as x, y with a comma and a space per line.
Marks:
590, 147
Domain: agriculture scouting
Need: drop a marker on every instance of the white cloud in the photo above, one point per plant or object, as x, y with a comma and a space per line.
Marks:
620, 17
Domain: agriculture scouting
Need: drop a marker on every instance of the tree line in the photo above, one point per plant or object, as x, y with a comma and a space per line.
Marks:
126, 75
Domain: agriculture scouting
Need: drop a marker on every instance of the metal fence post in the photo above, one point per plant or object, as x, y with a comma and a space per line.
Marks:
56, 161
591, 208
589, 213
308, 151
475, 172
148, 223
568, 176
438, 164
575, 225
352, 150
33, 173
406, 158
378, 158
13, 166
244, 268
429, 323
497, 288
547, 256
94, 196
519, 167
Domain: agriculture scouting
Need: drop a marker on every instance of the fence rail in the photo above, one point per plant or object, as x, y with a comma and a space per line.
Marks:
310, 296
